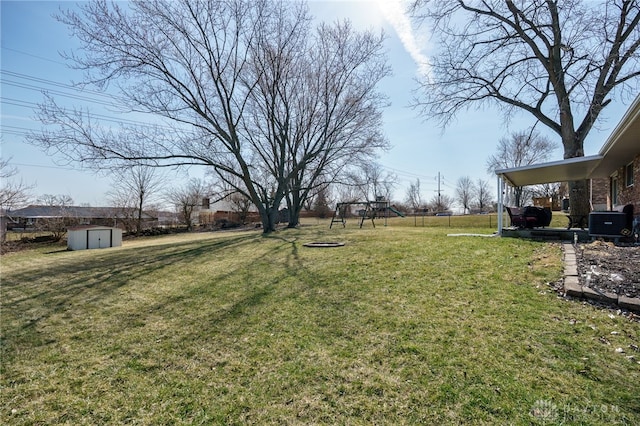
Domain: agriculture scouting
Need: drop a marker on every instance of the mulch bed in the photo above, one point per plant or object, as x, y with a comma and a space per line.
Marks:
608, 267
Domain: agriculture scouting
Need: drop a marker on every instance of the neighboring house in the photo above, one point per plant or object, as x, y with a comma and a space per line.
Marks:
167, 219
614, 172
210, 213
32, 216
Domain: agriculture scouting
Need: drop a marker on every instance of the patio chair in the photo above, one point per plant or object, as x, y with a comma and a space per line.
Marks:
529, 216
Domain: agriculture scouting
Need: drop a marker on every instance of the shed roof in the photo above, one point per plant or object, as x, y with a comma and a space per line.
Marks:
94, 227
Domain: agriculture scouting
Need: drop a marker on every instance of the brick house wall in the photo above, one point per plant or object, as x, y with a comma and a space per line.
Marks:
628, 177
600, 194
601, 197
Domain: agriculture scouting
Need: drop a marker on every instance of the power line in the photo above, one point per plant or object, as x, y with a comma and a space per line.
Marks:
42, 166
15, 127
108, 100
406, 173
13, 132
123, 121
54, 83
56, 92
32, 55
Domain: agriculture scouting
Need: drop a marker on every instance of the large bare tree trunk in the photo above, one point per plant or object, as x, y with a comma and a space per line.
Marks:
579, 195
579, 204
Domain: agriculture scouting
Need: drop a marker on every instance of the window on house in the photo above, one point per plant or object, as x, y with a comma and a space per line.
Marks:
628, 174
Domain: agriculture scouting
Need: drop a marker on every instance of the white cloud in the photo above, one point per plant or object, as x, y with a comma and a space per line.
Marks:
395, 13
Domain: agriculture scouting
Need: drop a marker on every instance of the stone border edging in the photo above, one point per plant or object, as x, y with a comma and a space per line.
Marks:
573, 288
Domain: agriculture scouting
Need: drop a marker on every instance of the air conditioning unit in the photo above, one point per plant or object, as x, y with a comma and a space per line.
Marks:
609, 224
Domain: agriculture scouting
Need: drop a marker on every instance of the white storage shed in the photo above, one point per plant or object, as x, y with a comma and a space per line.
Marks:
93, 237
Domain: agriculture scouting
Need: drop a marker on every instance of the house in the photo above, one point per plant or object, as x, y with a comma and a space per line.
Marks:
614, 172
34, 216
226, 210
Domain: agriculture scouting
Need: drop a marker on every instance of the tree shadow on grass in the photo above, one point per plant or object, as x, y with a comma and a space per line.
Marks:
67, 287
34, 295
290, 282
62, 250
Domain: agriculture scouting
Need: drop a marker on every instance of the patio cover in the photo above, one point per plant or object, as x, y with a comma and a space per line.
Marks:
619, 149
578, 168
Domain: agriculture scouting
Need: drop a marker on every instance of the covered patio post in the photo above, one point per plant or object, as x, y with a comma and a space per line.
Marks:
500, 203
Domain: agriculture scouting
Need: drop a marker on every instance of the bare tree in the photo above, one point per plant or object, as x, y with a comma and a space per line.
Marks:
317, 95
482, 195
548, 191
241, 205
187, 199
12, 193
226, 189
559, 61
440, 203
347, 189
57, 223
371, 182
520, 149
319, 197
133, 188
234, 78
464, 193
321, 203
413, 196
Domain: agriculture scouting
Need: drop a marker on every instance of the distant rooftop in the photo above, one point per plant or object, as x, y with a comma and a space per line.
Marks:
43, 212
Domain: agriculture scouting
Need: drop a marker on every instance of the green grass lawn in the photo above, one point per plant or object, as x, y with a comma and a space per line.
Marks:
402, 325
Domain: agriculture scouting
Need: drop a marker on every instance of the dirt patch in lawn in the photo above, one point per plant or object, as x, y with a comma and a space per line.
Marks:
609, 267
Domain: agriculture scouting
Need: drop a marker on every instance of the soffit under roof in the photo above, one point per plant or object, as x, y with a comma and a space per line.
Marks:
622, 146
556, 171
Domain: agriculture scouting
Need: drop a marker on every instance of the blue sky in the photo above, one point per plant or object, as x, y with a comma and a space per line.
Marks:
30, 61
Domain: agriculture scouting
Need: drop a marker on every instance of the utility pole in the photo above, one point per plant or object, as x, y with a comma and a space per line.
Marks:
439, 200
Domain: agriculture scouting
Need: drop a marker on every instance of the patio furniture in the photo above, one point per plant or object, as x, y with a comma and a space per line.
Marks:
529, 216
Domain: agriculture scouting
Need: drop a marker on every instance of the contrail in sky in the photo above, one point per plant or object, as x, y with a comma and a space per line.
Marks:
395, 13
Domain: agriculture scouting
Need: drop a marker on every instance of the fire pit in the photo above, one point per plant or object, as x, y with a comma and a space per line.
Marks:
324, 244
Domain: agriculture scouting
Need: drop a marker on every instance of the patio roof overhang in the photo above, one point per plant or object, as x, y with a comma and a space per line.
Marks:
557, 171
620, 148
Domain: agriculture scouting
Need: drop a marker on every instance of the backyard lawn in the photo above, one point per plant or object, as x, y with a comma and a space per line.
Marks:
402, 325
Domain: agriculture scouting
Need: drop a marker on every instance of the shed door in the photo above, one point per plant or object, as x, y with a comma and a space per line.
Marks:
99, 238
